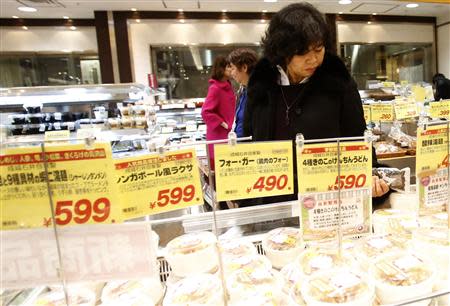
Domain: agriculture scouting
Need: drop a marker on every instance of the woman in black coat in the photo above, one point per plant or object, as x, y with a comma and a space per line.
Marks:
300, 87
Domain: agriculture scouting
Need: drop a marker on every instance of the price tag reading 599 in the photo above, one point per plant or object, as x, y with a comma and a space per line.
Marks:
174, 196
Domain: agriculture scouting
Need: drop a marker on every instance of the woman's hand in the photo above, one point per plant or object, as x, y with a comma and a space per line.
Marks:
224, 125
379, 187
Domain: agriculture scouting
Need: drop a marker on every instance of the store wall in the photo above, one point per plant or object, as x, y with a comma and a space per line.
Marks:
443, 37
385, 32
147, 33
46, 39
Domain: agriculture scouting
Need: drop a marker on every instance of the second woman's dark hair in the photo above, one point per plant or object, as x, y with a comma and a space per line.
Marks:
292, 31
218, 68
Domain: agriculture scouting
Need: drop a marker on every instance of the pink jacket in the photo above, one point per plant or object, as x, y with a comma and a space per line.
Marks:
219, 107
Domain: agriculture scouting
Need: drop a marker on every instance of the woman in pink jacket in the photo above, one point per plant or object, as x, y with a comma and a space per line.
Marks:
218, 109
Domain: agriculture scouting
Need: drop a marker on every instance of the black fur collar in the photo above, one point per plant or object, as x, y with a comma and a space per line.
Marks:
332, 75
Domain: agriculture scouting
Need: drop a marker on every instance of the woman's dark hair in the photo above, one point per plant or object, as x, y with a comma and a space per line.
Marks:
292, 31
218, 68
243, 56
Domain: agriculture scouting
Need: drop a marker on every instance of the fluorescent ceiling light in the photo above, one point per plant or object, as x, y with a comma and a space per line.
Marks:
341, 13
15, 17
25, 27
223, 20
66, 17
27, 9
374, 14
224, 11
73, 28
180, 10
263, 21
182, 20
345, 2
264, 11
368, 22
412, 5
134, 9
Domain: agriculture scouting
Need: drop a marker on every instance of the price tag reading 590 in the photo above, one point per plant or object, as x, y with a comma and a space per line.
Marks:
253, 170
151, 184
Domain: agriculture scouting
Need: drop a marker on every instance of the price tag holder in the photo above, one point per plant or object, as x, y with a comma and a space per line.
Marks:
80, 179
388, 84
406, 110
382, 112
318, 182
253, 170
57, 135
440, 109
366, 109
431, 168
151, 184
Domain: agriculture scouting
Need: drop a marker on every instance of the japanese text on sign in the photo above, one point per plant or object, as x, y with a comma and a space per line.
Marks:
253, 170
440, 109
317, 167
367, 115
382, 112
406, 110
152, 184
89, 253
432, 163
320, 213
80, 180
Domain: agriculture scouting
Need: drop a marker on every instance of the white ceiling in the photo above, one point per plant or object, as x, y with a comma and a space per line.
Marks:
86, 8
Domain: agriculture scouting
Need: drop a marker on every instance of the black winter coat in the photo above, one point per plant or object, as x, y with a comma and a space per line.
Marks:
330, 106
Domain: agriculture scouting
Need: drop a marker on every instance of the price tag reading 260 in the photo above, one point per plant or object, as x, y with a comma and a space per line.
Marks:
151, 184
253, 170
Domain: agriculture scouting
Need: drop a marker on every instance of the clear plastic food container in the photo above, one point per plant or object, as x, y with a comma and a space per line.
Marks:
283, 245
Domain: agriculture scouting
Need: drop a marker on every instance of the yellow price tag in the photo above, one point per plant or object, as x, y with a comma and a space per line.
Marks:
56, 135
406, 110
318, 182
254, 170
80, 181
366, 109
419, 93
151, 184
440, 109
432, 161
317, 167
382, 112
388, 84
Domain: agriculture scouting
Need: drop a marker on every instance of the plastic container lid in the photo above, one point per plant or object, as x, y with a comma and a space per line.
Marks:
373, 246
314, 260
338, 287
250, 262
265, 298
80, 297
200, 289
237, 248
122, 291
191, 243
283, 238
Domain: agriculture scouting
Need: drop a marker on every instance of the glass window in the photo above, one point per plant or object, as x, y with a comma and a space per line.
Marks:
184, 71
393, 62
33, 69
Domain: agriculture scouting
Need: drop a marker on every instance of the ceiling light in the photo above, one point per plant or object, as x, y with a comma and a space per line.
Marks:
138, 20
134, 9
368, 22
27, 9
15, 17
374, 14
73, 28
270, 0
182, 20
224, 11
180, 10
340, 13
345, 2
412, 5
66, 17
25, 27
264, 11
65, 50
223, 20
263, 21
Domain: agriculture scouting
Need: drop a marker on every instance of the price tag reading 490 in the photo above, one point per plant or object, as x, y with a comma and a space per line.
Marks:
253, 170
151, 184
80, 181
